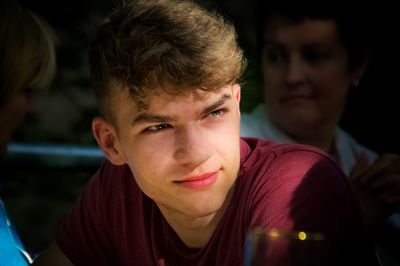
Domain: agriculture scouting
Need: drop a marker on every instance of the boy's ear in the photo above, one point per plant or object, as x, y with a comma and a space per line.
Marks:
236, 92
107, 139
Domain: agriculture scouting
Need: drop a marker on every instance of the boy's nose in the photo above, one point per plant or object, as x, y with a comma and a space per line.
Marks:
192, 147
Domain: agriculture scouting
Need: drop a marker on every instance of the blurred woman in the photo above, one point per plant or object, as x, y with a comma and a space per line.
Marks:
27, 63
311, 54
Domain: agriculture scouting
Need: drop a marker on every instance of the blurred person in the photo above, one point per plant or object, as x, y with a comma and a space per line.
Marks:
27, 63
179, 186
311, 54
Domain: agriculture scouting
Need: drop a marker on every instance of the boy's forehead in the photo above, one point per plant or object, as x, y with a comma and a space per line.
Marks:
190, 95
158, 98
161, 98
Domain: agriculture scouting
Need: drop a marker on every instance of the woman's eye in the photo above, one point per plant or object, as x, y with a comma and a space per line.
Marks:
158, 127
315, 55
274, 55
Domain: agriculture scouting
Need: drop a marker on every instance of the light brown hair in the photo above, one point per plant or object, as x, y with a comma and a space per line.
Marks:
170, 45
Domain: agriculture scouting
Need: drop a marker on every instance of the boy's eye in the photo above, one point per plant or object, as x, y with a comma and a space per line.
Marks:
217, 113
158, 127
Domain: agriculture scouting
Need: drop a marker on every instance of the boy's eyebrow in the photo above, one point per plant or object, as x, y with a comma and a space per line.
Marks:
155, 118
152, 118
224, 98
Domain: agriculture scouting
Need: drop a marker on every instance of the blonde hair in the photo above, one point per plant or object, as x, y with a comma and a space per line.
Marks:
172, 45
27, 50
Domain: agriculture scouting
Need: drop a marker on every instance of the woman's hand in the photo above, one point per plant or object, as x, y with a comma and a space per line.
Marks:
377, 187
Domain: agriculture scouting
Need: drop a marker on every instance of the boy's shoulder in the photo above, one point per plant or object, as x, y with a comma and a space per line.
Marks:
255, 148
270, 159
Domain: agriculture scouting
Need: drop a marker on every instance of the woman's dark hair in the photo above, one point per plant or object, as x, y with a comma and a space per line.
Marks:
354, 21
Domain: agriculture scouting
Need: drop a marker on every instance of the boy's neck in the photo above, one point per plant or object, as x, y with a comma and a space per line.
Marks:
195, 232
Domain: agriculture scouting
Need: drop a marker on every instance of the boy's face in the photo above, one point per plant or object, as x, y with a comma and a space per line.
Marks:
183, 150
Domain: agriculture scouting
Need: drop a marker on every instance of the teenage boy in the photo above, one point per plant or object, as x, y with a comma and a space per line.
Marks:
179, 186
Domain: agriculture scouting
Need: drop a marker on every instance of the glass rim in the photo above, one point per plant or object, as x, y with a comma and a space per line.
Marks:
282, 233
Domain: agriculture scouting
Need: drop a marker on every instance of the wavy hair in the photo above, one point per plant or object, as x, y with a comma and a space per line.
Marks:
170, 45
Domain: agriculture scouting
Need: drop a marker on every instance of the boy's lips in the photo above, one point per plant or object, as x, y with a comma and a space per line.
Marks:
199, 182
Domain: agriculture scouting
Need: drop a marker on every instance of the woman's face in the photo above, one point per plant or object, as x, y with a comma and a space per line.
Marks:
12, 114
306, 75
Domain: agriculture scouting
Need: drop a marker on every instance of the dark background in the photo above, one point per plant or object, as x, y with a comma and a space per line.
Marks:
38, 194
372, 108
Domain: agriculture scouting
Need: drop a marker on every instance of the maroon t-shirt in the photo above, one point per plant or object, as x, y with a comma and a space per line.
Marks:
285, 186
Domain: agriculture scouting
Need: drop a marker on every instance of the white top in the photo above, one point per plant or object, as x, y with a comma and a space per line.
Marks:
257, 124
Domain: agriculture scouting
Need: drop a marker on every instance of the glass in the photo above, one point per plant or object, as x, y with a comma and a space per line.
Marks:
272, 247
